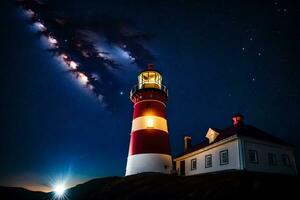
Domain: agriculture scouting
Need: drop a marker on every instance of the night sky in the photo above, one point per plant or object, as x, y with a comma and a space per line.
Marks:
216, 57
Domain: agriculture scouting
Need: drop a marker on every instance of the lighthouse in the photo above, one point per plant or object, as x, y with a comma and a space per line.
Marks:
149, 149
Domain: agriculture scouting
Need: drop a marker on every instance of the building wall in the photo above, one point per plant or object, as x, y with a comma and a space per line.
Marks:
149, 162
233, 154
263, 165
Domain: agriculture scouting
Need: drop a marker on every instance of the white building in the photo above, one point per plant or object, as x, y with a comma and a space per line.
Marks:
239, 147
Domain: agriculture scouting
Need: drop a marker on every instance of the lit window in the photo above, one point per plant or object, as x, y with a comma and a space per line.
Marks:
224, 160
286, 160
208, 161
253, 157
272, 159
146, 122
151, 77
193, 164
150, 122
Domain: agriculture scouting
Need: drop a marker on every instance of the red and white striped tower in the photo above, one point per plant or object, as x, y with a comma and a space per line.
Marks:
149, 149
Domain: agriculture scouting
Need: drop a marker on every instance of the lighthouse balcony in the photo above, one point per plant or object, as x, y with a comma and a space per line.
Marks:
138, 87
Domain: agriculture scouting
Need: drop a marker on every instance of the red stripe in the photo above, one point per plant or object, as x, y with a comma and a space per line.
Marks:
149, 141
149, 95
154, 108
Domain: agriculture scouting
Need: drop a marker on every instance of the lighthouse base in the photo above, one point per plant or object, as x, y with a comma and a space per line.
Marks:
148, 162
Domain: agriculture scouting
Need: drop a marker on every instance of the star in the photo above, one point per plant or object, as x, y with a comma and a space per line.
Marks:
243, 48
121, 92
259, 54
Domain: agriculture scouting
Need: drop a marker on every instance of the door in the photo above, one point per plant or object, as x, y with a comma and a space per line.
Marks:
182, 168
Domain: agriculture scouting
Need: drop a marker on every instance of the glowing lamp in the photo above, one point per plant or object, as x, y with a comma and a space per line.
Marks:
150, 79
59, 189
150, 122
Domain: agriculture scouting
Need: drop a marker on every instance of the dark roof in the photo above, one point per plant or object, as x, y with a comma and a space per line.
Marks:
239, 130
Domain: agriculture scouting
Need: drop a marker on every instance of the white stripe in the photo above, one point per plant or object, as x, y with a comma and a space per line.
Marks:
149, 122
148, 162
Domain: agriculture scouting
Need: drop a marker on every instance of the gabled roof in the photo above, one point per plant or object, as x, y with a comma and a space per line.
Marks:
212, 134
240, 130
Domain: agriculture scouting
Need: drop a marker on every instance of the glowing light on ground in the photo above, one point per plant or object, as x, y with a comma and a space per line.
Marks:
59, 189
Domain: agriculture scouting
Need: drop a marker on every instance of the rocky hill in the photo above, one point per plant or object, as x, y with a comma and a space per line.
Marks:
158, 186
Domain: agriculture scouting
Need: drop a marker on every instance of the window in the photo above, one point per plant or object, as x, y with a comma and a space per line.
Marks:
253, 157
194, 164
286, 160
224, 160
149, 79
208, 161
272, 159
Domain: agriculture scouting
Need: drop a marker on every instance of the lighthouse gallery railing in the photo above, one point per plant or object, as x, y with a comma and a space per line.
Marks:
138, 87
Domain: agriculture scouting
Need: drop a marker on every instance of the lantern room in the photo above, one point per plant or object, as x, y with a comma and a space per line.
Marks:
150, 78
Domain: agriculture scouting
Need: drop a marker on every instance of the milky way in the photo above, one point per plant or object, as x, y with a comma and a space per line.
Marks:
98, 51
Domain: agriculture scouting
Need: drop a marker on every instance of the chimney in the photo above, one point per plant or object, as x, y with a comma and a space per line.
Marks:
187, 142
237, 119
